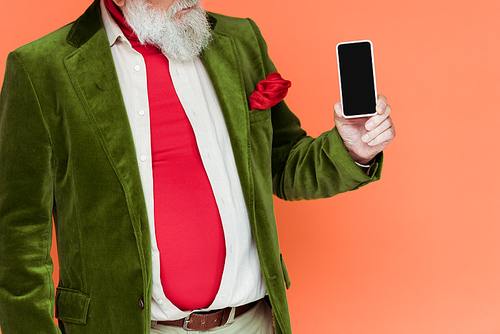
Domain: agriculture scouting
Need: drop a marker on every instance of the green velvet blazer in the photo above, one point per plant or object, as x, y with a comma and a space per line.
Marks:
67, 152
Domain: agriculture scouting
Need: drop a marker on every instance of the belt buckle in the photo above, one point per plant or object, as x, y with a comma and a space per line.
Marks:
186, 322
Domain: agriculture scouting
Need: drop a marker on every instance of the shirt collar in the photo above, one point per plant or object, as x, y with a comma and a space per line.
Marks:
113, 31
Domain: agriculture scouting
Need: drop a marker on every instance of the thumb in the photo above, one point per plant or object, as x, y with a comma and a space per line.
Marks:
338, 110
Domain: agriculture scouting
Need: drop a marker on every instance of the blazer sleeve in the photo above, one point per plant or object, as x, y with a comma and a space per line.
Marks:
26, 204
304, 167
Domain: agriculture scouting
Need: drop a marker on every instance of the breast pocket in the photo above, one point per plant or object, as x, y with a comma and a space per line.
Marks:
258, 115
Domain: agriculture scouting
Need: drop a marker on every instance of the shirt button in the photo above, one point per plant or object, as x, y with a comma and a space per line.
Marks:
137, 68
141, 304
143, 158
161, 302
141, 112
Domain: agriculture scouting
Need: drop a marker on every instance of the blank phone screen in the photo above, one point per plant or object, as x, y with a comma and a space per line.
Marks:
357, 79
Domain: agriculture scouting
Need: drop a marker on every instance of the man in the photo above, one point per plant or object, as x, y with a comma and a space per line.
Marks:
132, 128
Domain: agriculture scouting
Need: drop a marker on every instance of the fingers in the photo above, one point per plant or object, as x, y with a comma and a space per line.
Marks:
384, 138
380, 128
381, 104
378, 119
384, 133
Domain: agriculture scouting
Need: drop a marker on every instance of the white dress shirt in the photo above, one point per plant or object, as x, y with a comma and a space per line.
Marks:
242, 280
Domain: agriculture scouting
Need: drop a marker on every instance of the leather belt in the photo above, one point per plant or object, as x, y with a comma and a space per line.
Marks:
207, 320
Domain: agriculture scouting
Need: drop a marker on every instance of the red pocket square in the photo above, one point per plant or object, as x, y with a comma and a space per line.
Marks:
269, 92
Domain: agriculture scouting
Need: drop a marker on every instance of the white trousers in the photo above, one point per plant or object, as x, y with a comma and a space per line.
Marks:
257, 320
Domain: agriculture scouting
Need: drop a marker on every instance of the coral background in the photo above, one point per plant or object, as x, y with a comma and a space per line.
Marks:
417, 252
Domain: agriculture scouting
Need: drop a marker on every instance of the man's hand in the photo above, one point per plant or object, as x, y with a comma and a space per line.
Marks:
365, 137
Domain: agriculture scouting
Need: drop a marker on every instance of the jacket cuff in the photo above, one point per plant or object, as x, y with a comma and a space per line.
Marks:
350, 166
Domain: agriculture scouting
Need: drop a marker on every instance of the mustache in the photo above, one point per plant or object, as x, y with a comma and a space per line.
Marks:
181, 5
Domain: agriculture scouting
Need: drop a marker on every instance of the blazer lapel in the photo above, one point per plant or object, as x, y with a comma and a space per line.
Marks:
224, 68
92, 71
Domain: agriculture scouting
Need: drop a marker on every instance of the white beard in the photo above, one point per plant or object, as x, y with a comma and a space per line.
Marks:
180, 38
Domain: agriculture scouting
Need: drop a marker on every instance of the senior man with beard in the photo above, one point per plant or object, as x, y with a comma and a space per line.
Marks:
132, 129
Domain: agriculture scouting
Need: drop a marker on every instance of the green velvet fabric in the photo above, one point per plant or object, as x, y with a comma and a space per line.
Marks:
66, 151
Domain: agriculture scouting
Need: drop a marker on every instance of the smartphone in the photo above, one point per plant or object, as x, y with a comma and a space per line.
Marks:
358, 89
